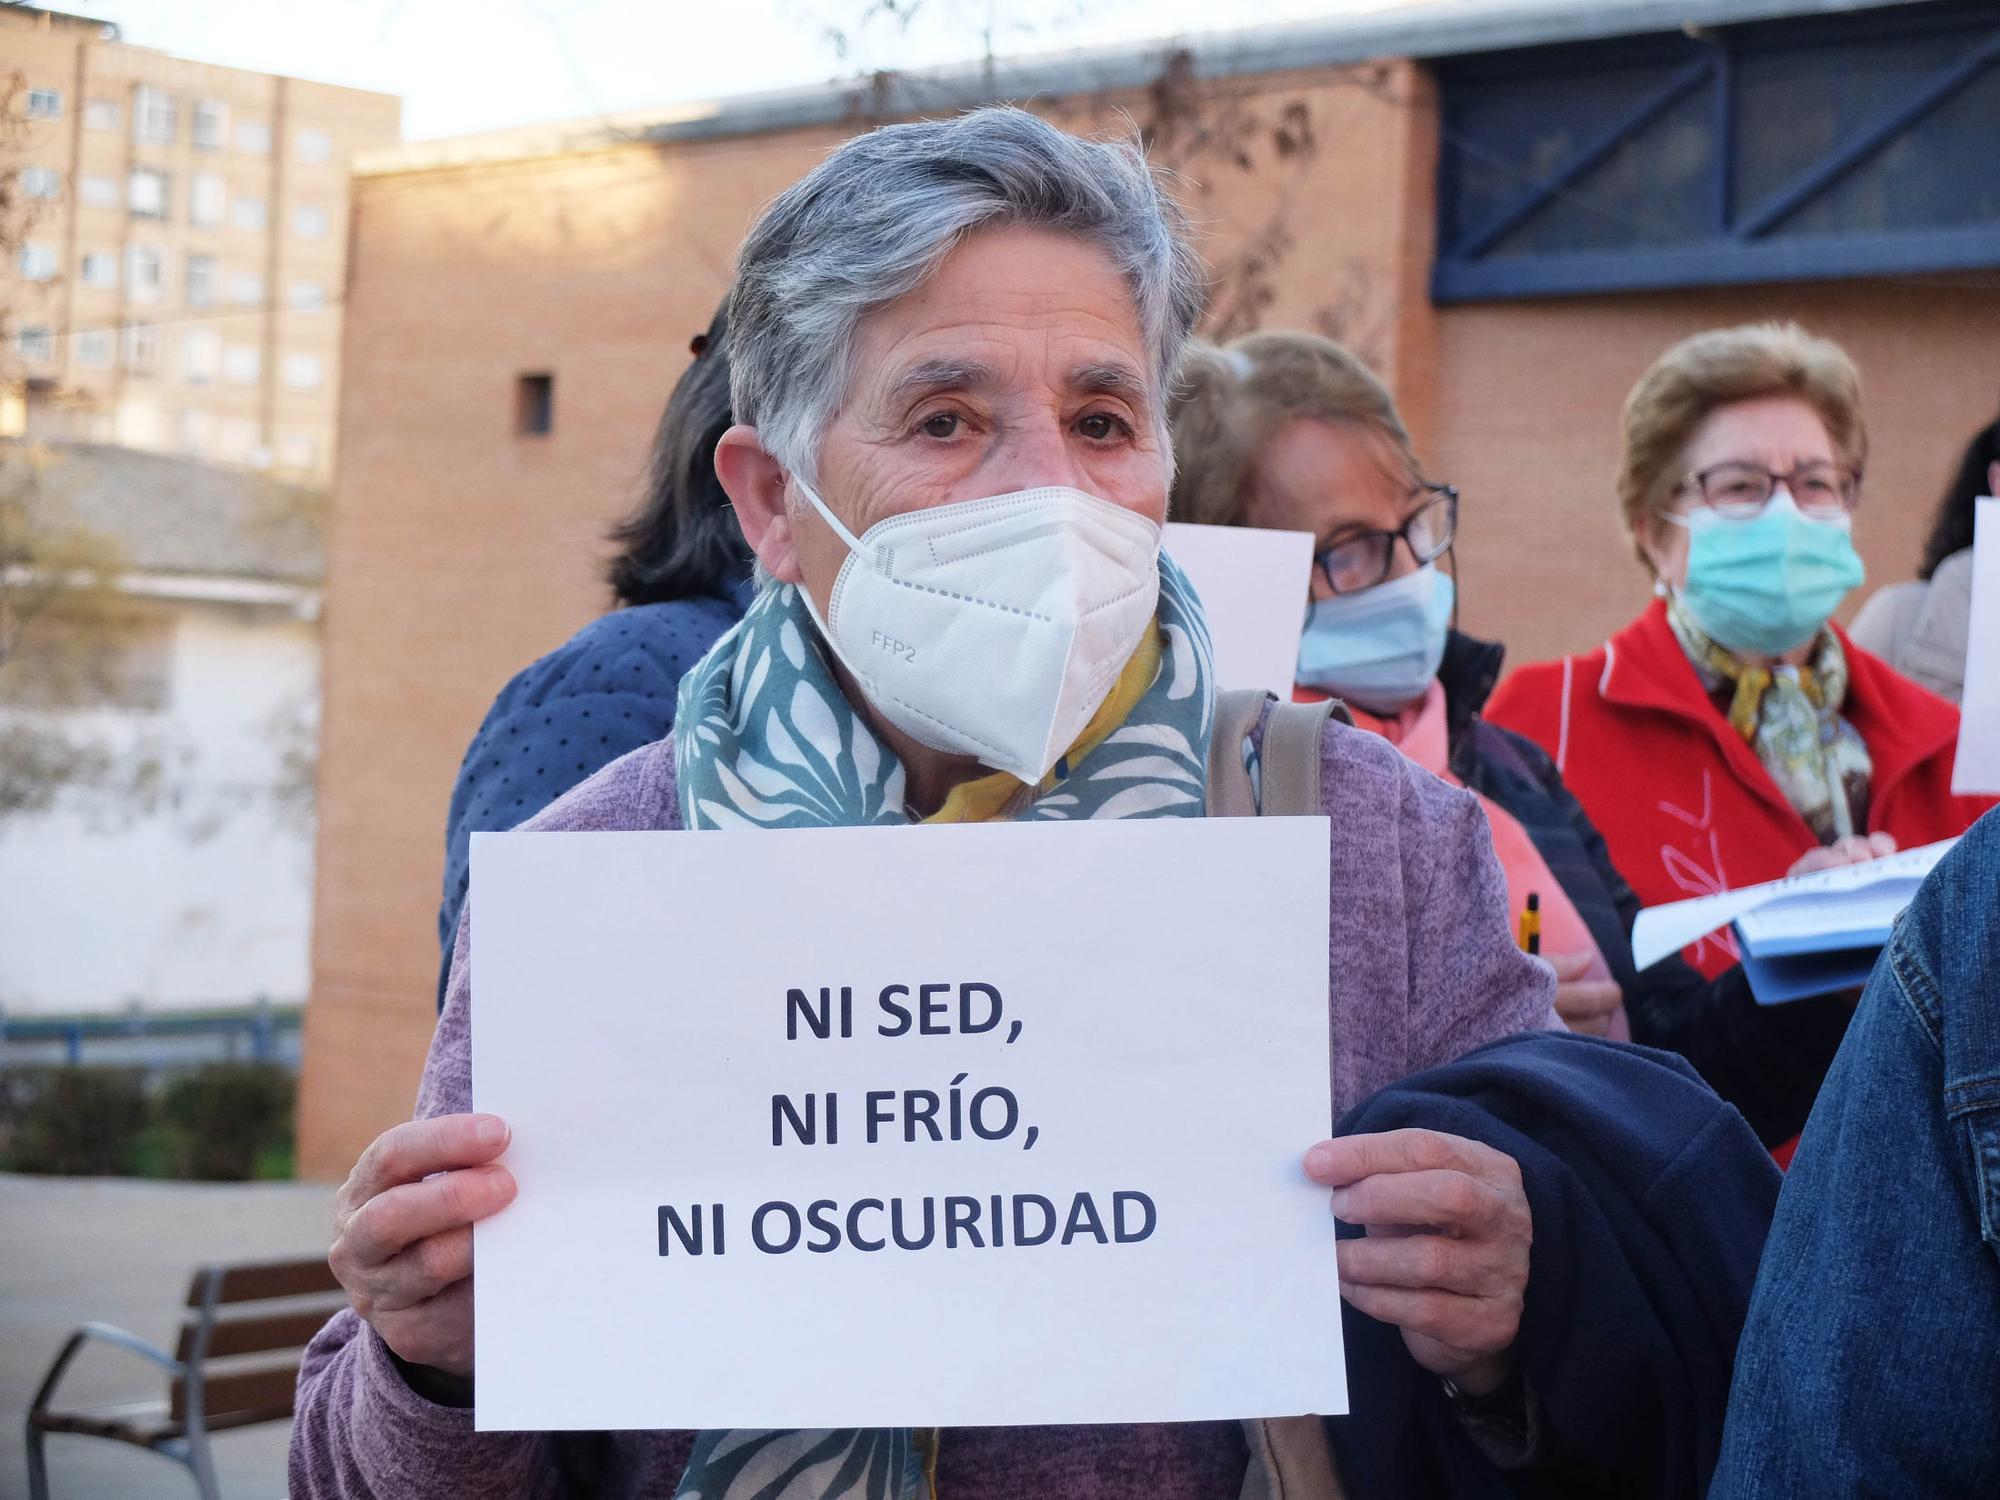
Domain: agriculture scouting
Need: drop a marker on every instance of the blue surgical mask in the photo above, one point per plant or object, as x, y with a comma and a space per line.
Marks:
1766, 585
1379, 648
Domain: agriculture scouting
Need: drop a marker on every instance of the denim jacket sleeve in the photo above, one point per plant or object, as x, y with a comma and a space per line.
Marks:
1867, 1365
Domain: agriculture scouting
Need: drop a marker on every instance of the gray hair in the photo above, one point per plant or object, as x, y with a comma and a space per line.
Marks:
873, 222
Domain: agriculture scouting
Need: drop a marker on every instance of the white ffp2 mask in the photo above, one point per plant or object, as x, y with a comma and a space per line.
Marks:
993, 628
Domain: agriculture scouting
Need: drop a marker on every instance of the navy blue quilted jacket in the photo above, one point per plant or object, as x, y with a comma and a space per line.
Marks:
1651, 1204
607, 690
1766, 1060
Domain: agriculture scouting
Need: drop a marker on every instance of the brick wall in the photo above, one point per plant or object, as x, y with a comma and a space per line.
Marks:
460, 551
1527, 427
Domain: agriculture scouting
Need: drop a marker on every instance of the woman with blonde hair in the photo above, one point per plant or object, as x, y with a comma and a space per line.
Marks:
1733, 731
1291, 431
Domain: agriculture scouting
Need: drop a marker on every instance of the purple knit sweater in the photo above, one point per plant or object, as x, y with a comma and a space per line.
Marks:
1421, 969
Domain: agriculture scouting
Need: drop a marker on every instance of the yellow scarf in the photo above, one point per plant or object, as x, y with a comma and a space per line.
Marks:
1791, 718
980, 801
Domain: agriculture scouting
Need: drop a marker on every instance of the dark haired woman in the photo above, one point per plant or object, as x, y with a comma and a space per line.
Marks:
1920, 628
681, 577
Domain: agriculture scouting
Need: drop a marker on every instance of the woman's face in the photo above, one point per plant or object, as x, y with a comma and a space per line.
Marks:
1778, 433
1333, 479
1020, 364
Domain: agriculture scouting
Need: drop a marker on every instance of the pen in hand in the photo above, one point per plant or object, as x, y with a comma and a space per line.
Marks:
1531, 925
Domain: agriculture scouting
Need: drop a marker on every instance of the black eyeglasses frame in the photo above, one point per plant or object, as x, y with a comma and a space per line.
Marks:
1386, 540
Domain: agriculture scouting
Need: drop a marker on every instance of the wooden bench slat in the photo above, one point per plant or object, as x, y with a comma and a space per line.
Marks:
265, 1393
256, 1335
143, 1424
255, 1281
140, 1423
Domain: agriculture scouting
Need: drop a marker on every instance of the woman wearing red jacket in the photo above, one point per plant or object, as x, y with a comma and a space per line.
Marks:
1732, 727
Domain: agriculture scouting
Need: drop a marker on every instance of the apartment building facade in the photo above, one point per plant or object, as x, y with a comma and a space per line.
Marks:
179, 238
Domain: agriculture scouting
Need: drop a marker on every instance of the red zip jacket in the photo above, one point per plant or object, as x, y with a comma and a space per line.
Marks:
1684, 804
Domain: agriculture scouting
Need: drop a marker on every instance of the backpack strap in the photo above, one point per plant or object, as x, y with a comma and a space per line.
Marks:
1290, 758
1230, 794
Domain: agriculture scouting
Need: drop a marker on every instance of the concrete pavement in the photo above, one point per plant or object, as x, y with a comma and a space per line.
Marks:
110, 1250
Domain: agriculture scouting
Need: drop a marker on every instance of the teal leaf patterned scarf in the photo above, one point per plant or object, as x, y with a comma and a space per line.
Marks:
764, 738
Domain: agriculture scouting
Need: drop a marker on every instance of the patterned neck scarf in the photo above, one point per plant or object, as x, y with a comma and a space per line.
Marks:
1791, 717
764, 738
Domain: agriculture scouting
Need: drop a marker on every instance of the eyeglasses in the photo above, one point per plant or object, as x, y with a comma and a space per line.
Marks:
1739, 492
1362, 561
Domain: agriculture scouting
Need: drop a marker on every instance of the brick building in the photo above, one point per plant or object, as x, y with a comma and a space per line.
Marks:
1510, 209
181, 235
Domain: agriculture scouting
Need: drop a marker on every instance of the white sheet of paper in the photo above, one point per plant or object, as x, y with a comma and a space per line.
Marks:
1253, 587
1168, 978
1977, 769
1661, 930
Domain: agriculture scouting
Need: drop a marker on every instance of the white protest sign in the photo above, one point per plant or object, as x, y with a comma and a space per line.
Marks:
1253, 586
1977, 769
869, 1127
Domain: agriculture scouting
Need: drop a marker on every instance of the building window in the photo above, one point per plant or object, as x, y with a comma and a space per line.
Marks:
206, 195
149, 193
302, 372
152, 116
297, 450
197, 433
38, 262
201, 356
141, 678
142, 348
309, 221
1835, 145
535, 405
44, 104
94, 348
210, 127
145, 272
308, 296
99, 192
100, 268
242, 364
253, 136
241, 442
128, 665
36, 343
247, 213
100, 114
246, 289
204, 281
40, 182
314, 147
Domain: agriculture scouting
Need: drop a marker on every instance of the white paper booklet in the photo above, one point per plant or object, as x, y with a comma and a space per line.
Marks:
1812, 912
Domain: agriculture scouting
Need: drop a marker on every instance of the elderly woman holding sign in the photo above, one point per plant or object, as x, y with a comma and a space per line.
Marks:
952, 347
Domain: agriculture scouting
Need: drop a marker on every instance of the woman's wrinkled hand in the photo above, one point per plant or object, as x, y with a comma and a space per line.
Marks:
1445, 1257
1584, 1005
1853, 849
402, 1243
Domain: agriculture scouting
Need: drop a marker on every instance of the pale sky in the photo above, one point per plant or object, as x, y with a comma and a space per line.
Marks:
468, 65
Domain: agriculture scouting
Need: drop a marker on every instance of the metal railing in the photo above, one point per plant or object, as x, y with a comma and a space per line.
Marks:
154, 1039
